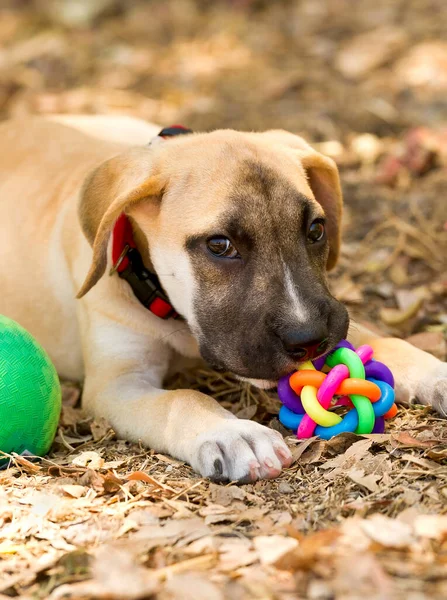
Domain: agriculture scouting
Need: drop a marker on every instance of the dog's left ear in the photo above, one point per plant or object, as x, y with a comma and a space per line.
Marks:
324, 181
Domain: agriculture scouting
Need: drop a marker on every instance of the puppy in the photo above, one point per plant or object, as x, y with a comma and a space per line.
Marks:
240, 229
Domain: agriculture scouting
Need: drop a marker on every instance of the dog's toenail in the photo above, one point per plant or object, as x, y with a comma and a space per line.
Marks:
284, 453
268, 463
218, 467
254, 470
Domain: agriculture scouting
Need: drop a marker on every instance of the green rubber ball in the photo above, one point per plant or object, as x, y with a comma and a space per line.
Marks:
30, 392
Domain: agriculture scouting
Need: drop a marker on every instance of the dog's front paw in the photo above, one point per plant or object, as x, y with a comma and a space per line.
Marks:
240, 450
432, 390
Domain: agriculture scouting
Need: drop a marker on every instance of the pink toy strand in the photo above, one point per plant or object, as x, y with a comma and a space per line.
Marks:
324, 396
365, 353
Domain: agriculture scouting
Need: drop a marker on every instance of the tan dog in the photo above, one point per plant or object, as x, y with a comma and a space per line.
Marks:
239, 228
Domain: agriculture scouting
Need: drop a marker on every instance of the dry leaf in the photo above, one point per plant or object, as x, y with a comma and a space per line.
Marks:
75, 491
271, 548
367, 51
222, 518
364, 573
424, 65
184, 530
431, 526
116, 576
341, 442
437, 455
300, 448
314, 453
407, 440
226, 495
113, 464
347, 291
190, 586
422, 462
70, 416
144, 477
308, 550
236, 553
399, 271
352, 455
285, 488
93, 479
90, 459
25, 464
111, 483
70, 395
214, 509
99, 428
396, 317
368, 481
387, 532
407, 298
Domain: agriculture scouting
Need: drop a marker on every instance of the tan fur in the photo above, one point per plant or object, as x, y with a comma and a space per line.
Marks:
324, 181
121, 349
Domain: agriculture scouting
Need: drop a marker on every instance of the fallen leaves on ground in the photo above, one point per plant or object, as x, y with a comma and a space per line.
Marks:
79, 528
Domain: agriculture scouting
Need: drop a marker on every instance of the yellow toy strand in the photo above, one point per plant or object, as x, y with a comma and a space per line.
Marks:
306, 366
314, 409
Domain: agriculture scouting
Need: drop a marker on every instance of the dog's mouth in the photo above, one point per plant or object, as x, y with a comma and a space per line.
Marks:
268, 384
287, 366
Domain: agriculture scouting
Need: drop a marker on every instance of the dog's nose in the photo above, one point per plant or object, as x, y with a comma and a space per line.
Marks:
304, 345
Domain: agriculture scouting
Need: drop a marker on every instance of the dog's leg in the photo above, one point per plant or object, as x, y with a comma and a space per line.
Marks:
418, 375
124, 374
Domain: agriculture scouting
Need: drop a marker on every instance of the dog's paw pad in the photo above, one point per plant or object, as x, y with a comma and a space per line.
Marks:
218, 467
240, 450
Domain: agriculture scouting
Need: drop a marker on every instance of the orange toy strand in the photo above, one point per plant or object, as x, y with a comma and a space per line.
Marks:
301, 378
347, 387
361, 387
391, 413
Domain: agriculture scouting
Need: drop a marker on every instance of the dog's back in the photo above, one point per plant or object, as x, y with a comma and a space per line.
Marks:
42, 167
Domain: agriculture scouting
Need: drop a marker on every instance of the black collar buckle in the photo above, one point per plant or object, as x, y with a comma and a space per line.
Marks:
145, 285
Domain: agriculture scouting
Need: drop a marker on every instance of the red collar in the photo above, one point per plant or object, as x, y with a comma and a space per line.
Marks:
127, 261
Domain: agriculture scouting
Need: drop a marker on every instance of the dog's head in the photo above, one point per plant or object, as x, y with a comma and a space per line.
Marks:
240, 228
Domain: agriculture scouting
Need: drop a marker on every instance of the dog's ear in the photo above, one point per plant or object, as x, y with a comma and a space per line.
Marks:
324, 181
114, 187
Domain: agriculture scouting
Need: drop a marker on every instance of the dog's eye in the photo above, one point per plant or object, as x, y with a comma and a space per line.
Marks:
222, 247
316, 231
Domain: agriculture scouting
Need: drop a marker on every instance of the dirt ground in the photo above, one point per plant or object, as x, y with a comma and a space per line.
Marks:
355, 517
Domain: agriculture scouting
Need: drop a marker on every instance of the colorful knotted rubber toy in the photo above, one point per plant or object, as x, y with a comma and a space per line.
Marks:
354, 380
